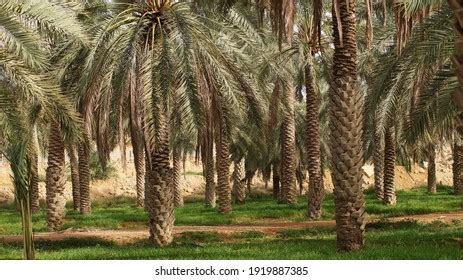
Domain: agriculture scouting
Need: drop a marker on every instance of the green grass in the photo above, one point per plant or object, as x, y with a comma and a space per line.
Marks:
122, 213
405, 240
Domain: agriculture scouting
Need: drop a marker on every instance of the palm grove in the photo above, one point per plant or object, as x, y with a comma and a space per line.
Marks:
278, 88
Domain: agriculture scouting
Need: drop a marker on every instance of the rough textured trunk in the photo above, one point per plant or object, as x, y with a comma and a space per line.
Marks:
55, 179
458, 168
74, 162
288, 150
457, 96
223, 171
346, 131
209, 173
239, 189
378, 165
159, 199
139, 162
432, 180
121, 135
177, 162
84, 178
389, 167
34, 185
136, 137
316, 190
276, 181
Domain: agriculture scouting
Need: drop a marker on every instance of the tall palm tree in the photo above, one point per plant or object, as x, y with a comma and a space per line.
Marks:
283, 13
171, 43
457, 5
346, 131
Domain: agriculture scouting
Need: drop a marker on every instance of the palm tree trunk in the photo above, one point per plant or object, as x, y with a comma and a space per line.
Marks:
276, 181
458, 168
159, 195
239, 188
139, 162
432, 188
74, 178
378, 165
55, 179
389, 167
28, 236
121, 135
136, 137
84, 178
266, 172
34, 185
249, 175
457, 96
316, 190
209, 170
346, 131
223, 170
178, 197
288, 150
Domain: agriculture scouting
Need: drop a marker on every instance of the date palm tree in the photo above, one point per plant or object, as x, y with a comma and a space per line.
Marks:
346, 130
170, 42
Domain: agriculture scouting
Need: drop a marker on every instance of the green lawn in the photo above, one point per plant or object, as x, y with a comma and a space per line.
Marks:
122, 212
406, 240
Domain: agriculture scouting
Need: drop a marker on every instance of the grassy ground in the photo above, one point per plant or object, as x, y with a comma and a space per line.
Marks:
122, 212
406, 240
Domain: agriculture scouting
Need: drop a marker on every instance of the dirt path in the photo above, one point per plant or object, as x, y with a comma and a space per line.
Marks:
131, 236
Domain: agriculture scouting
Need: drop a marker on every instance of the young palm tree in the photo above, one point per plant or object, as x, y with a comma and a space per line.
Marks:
346, 131
23, 60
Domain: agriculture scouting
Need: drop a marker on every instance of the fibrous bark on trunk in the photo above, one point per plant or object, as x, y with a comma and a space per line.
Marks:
276, 181
346, 131
432, 180
178, 196
457, 96
458, 168
288, 150
55, 179
239, 189
316, 190
74, 178
159, 195
84, 178
223, 171
209, 172
389, 167
34, 185
378, 166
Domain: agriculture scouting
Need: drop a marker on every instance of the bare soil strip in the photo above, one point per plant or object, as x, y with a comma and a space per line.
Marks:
122, 237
